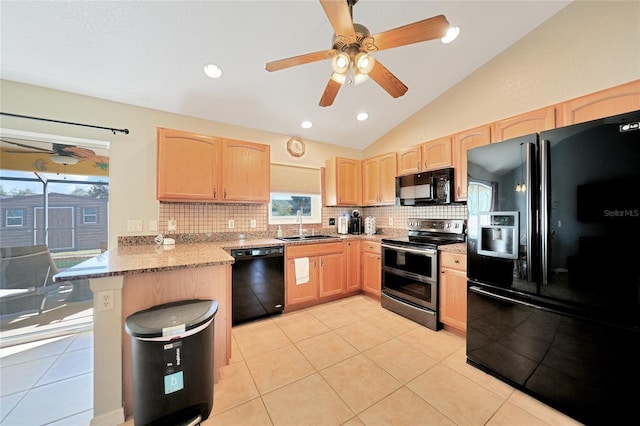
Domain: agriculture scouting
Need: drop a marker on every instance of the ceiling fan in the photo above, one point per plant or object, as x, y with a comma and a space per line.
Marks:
352, 45
59, 153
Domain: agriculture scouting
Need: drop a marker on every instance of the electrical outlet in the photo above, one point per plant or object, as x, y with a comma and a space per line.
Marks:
253, 223
172, 225
134, 225
231, 224
390, 221
153, 225
105, 300
332, 221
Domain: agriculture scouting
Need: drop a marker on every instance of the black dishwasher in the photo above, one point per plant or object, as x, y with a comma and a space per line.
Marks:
257, 283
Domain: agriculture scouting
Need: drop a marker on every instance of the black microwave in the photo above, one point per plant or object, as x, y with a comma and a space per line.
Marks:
426, 188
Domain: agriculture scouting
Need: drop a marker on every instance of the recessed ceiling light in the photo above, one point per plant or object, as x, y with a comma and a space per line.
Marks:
213, 71
362, 116
306, 124
452, 34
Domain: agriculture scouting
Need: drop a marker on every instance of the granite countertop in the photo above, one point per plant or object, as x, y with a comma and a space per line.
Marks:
139, 259
459, 248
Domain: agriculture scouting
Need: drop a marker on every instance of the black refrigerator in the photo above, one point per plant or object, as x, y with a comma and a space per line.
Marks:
553, 266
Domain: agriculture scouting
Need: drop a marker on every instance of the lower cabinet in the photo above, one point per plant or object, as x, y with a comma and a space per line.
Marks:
371, 268
353, 265
453, 290
326, 273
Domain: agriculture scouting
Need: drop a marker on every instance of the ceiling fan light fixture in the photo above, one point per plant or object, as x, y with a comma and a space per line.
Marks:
364, 62
340, 63
65, 160
452, 34
339, 78
359, 77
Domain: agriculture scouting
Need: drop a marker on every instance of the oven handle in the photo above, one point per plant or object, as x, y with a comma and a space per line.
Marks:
423, 252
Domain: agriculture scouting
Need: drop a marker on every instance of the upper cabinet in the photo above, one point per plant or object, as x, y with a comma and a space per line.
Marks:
188, 166
462, 142
246, 168
193, 167
343, 178
432, 155
616, 100
379, 180
524, 124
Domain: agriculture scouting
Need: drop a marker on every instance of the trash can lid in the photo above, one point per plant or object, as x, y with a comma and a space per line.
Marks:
170, 318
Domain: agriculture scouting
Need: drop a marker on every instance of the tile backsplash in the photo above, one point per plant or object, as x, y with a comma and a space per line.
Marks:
201, 218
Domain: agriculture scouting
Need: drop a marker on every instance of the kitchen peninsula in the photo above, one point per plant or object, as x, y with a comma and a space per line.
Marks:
128, 279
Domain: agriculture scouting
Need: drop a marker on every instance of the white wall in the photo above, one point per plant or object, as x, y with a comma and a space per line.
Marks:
588, 46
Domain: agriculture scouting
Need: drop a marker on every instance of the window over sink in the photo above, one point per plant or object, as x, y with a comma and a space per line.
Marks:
283, 208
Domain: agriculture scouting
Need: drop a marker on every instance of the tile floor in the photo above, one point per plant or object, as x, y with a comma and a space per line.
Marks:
348, 362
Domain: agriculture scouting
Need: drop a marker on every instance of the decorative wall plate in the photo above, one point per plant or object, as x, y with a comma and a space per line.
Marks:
296, 146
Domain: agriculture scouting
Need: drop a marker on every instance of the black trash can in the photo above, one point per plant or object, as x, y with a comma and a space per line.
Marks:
172, 362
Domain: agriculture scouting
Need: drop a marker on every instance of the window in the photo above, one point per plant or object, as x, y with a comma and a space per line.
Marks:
283, 208
14, 217
90, 215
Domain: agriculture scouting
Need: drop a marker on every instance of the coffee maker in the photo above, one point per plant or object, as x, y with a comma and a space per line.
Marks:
355, 223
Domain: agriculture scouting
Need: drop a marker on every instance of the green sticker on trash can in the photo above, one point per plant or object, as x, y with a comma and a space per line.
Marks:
173, 382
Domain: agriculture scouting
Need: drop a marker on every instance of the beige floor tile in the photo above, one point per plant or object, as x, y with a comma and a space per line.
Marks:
364, 306
235, 387
279, 367
326, 349
362, 335
438, 345
458, 362
334, 315
300, 325
510, 414
460, 399
391, 323
262, 337
236, 353
308, 401
360, 382
402, 361
540, 410
250, 413
403, 407
354, 421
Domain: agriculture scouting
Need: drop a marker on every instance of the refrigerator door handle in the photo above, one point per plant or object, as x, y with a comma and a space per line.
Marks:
478, 290
544, 210
531, 232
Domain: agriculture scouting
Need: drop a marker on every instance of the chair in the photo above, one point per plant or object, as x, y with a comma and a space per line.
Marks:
26, 279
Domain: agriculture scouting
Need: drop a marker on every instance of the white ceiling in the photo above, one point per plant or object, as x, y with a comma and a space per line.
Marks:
151, 54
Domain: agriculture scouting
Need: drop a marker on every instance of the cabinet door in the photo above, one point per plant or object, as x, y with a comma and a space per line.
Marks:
616, 100
387, 184
461, 143
409, 160
371, 180
453, 298
332, 274
343, 182
371, 269
246, 175
305, 292
524, 124
353, 265
436, 154
188, 166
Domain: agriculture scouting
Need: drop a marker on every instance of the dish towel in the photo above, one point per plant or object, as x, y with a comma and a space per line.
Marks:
302, 270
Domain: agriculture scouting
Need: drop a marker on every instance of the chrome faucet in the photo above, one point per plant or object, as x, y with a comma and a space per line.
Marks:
300, 221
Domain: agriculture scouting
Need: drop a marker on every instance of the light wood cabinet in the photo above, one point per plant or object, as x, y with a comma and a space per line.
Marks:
343, 182
188, 166
453, 290
194, 167
353, 265
246, 171
462, 142
371, 268
379, 184
432, 155
327, 269
524, 124
616, 100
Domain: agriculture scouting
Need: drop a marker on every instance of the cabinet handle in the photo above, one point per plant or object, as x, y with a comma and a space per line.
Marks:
214, 193
225, 193
417, 165
442, 271
425, 164
456, 261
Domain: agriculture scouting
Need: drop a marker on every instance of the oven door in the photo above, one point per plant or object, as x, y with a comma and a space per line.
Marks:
410, 274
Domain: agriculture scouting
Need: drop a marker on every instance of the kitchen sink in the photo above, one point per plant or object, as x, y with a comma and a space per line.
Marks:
308, 237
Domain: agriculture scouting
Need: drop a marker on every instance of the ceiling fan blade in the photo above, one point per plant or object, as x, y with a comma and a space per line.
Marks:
300, 60
427, 29
73, 151
339, 15
34, 149
387, 80
330, 92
